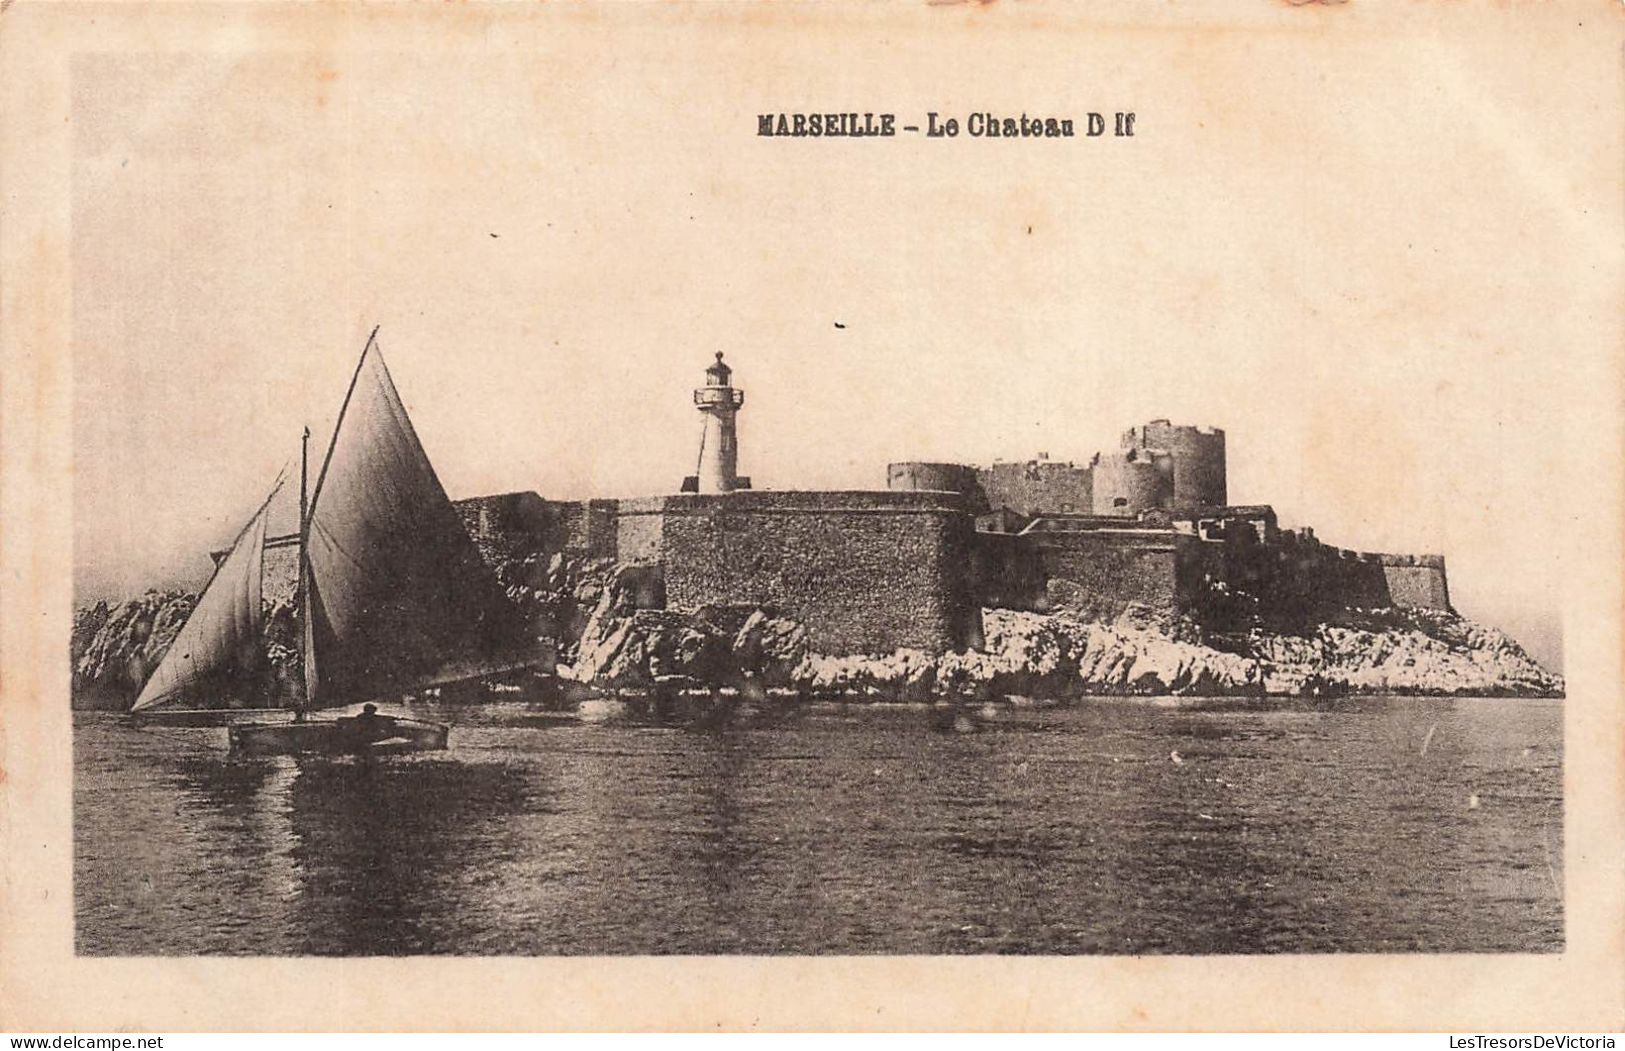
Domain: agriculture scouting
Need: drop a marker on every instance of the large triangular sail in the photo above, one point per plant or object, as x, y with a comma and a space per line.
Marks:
217, 653
397, 594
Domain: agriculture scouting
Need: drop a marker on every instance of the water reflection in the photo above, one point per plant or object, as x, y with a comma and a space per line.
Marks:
1108, 828
342, 856
383, 847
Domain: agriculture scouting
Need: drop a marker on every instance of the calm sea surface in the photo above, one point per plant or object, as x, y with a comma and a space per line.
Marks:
1384, 825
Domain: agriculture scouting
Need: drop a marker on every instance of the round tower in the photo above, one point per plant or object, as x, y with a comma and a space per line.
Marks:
959, 478
1197, 461
718, 403
1130, 481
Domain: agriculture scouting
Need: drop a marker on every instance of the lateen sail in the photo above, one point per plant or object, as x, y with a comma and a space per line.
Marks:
398, 593
218, 648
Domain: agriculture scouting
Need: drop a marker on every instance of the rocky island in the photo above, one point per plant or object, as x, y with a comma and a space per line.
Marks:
608, 641
1129, 574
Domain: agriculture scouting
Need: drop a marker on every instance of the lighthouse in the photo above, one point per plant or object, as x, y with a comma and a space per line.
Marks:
719, 403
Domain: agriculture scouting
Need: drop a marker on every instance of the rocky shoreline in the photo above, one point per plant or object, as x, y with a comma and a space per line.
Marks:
609, 639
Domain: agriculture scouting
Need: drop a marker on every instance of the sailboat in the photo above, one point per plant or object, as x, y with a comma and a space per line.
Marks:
217, 655
392, 596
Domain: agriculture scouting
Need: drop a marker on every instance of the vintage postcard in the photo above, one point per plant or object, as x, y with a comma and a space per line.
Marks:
898, 516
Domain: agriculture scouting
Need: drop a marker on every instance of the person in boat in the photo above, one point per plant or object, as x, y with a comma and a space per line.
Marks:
370, 726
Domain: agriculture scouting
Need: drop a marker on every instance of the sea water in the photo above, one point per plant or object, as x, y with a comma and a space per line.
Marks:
1160, 826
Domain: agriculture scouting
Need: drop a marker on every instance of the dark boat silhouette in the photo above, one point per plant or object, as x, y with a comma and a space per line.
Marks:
392, 597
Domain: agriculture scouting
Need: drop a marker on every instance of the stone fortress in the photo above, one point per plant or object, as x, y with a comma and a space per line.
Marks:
1147, 526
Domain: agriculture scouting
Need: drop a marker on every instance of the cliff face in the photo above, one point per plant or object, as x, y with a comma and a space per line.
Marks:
1383, 651
115, 646
1034, 655
611, 631
1405, 651
1375, 651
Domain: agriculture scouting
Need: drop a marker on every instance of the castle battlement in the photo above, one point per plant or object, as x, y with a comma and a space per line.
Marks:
912, 565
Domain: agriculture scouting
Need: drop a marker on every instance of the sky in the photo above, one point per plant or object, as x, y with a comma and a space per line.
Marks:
1366, 258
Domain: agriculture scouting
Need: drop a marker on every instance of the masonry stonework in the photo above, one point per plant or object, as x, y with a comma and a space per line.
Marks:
1097, 575
911, 567
510, 526
1130, 482
1037, 485
864, 572
1196, 460
917, 476
279, 573
1416, 581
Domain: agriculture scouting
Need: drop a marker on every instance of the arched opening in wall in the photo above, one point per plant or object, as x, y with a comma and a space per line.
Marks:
1120, 501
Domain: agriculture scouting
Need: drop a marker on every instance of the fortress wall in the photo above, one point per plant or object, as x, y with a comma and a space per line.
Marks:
1298, 579
1037, 486
1368, 580
1096, 575
865, 572
1292, 583
1419, 586
1125, 485
1307, 580
916, 476
1197, 563
1358, 582
1416, 581
509, 527
593, 528
279, 576
1294, 578
640, 530
1247, 555
1198, 460
1007, 571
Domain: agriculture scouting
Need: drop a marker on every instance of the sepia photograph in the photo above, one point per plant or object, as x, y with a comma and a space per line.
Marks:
622, 482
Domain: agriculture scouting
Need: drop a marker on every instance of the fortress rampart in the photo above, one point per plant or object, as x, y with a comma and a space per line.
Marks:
1195, 460
1132, 481
510, 526
1419, 583
869, 571
1295, 577
912, 566
1158, 466
916, 476
864, 572
1097, 575
1037, 485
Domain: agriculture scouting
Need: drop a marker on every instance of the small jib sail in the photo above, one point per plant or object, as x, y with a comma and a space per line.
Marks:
217, 655
396, 595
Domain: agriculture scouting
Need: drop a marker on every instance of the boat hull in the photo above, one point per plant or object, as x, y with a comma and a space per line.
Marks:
339, 737
207, 716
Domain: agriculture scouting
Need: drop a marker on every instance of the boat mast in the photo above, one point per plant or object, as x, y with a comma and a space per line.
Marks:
301, 597
307, 512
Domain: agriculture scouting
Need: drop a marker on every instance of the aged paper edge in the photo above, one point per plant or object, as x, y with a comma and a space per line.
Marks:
43, 985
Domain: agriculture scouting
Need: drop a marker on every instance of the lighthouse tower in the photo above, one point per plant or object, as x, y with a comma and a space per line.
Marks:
719, 403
